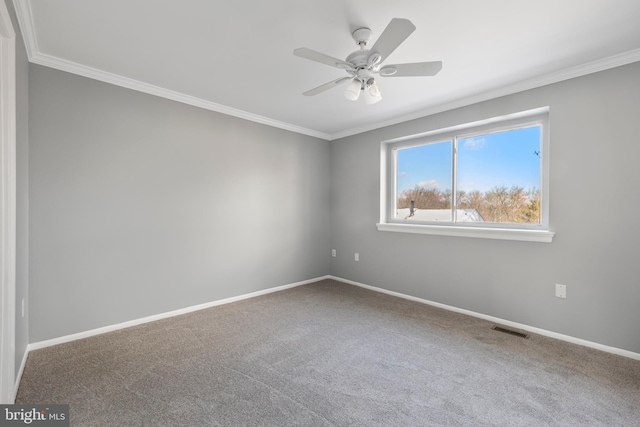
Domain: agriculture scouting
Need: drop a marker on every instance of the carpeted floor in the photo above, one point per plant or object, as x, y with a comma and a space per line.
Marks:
331, 354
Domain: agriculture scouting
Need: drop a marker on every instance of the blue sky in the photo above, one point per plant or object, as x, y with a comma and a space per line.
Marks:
504, 158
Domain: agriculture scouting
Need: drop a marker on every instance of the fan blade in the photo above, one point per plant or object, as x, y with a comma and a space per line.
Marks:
327, 86
413, 69
312, 55
396, 32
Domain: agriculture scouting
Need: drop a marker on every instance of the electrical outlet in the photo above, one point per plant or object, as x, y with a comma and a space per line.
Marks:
357, 256
333, 253
561, 291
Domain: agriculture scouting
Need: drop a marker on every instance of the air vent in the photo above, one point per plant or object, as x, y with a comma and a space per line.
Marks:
510, 332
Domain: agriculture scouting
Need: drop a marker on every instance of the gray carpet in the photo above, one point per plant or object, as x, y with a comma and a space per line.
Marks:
331, 354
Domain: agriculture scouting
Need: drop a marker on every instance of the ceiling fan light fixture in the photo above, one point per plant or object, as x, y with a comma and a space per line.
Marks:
352, 92
372, 93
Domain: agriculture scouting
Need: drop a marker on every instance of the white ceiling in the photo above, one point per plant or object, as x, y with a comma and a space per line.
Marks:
236, 56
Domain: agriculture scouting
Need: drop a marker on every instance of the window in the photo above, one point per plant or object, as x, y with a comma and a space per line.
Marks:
482, 179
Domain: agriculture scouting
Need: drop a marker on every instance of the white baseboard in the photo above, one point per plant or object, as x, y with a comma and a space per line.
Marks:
562, 337
105, 329
98, 331
111, 328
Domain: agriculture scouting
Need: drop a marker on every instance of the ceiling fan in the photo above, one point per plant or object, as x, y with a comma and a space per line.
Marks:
362, 64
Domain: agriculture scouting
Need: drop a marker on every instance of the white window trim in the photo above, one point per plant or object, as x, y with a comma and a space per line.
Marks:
524, 232
542, 236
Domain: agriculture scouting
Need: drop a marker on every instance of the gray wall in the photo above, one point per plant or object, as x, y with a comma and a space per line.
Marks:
593, 208
22, 191
141, 205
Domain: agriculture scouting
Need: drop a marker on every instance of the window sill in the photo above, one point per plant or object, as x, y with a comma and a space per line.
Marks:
541, 236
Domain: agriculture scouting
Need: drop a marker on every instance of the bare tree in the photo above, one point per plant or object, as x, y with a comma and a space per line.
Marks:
499, 204
425, 198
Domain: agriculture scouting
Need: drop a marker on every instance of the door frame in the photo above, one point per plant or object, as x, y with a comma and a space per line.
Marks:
7, 205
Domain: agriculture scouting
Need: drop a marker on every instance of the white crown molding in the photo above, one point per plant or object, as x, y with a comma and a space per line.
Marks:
25, 18
28, 29
118, 80
544, 80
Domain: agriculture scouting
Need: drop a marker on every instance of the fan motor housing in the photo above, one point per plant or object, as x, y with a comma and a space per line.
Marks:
359, 58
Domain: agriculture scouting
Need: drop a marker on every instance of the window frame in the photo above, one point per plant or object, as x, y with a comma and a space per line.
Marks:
507, 231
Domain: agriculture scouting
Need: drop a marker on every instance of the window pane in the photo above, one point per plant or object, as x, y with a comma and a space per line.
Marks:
498, 176
424, 182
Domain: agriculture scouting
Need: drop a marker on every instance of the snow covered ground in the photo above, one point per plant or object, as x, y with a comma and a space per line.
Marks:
464, 215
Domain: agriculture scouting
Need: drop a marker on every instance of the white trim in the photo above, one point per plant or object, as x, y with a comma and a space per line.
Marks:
8, 203
135, 322
544, 80
521, 232
25, 21
450, 131
20, 372
540, 236
118, 80
25, 18
93, 332
562, 337
532, 329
